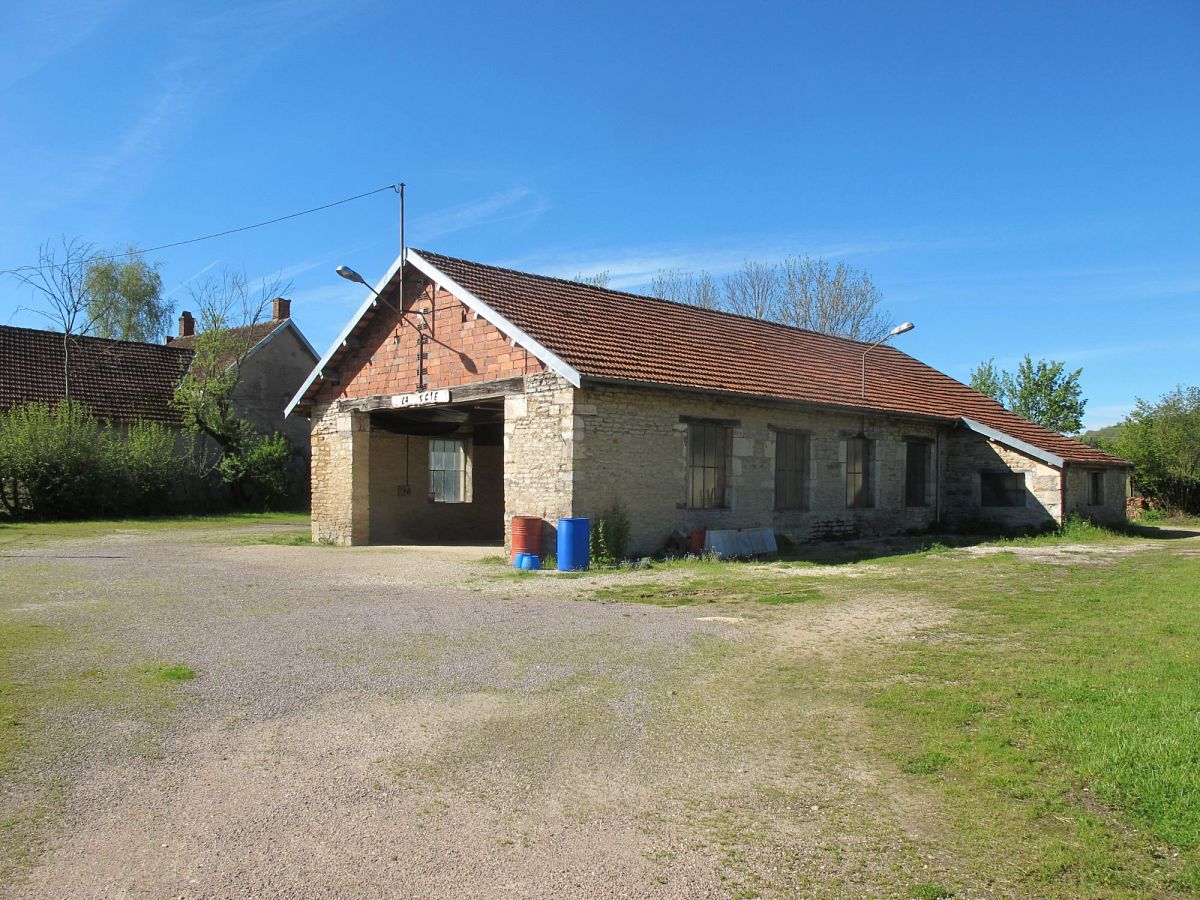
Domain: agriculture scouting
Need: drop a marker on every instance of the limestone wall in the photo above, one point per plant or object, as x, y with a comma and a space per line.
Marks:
968, 455
340, 475
540, 476
399, 484
1114, 493
267, 381
631, 450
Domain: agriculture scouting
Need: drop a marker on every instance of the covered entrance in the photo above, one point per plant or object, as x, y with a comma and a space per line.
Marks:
436, 473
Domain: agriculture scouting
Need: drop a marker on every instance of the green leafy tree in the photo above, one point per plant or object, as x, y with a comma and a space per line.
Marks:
125, 299
1043, 392
1162, 440
987, 379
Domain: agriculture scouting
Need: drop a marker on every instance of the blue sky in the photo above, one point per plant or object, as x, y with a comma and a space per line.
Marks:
1018, 178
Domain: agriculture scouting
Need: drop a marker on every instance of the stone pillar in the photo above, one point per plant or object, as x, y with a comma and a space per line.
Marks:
539, 450
341, 498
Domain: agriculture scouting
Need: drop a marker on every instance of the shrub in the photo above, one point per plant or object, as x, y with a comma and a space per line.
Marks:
153, 466
258, 469
54, 461
62, 462
609, 537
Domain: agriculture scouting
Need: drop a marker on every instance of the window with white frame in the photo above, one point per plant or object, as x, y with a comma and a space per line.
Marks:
447, 470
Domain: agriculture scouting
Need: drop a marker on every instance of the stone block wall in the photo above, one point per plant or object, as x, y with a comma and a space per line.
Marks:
631, 450
540, 476
400, 510
968, 455
340, 475
267, 381
1113, 506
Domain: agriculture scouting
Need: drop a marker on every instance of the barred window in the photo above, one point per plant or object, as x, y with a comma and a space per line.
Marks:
1002, 488
447, 470
791, 470
916, 473
859, 455
708, 465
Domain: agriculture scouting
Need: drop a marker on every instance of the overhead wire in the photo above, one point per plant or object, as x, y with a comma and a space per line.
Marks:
209, 237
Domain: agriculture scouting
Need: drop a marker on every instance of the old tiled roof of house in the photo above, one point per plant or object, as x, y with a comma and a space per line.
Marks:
611, 334
242, 336
118, 380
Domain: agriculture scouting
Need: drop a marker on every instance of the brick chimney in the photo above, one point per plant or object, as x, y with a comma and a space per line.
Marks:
281, 308
187, 324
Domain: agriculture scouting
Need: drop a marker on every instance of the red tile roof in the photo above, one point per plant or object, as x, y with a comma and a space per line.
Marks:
118, 380
611, 334
246, 335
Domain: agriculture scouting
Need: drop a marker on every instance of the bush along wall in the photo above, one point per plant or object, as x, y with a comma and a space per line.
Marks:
62, 462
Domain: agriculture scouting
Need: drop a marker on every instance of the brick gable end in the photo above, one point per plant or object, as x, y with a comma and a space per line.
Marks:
460, 349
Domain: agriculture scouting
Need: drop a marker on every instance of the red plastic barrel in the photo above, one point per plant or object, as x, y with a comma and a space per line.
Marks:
526, 536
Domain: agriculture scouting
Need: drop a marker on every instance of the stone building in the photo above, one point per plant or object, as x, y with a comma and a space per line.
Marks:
463, 394
126, 381
275, 357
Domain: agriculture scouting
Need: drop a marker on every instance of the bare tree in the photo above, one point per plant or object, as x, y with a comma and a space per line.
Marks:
692, 288
838, 300
596, 279
59, 284
754, 290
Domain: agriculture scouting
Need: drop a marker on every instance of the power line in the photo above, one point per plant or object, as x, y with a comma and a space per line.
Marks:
209, 237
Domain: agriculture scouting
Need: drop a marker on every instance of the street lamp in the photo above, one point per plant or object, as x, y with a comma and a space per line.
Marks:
899, 329
350, 275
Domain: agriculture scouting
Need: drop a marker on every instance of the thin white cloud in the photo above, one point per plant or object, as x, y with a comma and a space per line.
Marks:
216, 53
189, 279
518, 203
48, 31
636, 266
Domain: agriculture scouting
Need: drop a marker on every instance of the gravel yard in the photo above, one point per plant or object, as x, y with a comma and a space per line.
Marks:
418, 722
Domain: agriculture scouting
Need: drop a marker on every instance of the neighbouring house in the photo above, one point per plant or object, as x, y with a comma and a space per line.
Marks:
465, 394
123, 381
278, 358
120, 381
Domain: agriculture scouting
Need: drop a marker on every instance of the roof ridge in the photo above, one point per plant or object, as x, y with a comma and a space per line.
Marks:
672, 303
98, 340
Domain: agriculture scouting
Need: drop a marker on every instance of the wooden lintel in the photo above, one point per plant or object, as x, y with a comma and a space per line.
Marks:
467, 393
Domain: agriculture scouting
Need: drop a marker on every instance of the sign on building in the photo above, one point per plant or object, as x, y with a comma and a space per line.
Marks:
421, 398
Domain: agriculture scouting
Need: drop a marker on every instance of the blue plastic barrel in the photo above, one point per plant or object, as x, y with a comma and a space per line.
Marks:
573, 544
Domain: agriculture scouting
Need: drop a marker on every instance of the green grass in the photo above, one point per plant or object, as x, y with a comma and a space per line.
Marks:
1061, 715
15, 534
287, 539
171, 672
52, 679
730, 586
